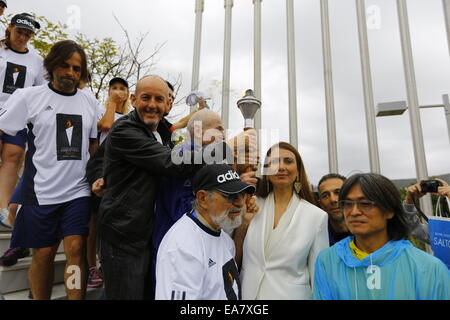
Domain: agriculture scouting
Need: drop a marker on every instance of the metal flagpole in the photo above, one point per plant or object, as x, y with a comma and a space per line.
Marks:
293, 132
413, 102
257, 65
446, 5
199, 7
447, 112
368, 89
329, 95
257, 58
226, 64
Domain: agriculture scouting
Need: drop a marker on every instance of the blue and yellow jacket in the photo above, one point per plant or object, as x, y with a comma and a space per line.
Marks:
397, 271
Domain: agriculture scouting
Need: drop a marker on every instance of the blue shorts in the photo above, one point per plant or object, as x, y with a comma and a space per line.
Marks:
44, 226
20, 139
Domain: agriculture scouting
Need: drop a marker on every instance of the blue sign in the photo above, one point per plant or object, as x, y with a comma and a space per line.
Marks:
440, 238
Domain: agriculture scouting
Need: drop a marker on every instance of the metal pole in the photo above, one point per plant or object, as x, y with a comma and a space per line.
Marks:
413, 102
226, 64
257, 65
257, 58
368, 89
446, 5
293, 132
199, 7
329, 94
447, 112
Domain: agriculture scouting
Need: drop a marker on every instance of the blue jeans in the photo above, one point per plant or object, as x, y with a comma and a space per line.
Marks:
126, 276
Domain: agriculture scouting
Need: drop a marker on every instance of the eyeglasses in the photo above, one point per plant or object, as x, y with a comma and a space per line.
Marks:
233, 196
363, 205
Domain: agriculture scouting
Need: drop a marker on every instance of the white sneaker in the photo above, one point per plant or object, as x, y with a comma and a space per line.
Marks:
4, 221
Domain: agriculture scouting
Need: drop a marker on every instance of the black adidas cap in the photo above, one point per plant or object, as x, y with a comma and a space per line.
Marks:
220, 177
118, 80
25, 21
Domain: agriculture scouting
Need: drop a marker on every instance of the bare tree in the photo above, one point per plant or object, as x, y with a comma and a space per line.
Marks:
137, 63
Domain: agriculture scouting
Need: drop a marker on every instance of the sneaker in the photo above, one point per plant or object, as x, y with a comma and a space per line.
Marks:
12, 255
95, 279
4, 220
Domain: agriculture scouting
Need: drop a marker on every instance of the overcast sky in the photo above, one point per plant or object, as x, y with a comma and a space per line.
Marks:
172, 22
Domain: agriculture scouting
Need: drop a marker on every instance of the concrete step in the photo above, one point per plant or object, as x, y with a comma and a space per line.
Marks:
4, 241
15, 278
5, 238
4, 229
58, 293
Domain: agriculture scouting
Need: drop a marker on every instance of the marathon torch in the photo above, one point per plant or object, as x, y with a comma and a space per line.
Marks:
248, 105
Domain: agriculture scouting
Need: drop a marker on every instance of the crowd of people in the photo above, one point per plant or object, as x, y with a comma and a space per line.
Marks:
105, 181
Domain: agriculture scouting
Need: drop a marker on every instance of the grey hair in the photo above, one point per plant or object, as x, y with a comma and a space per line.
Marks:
195, 205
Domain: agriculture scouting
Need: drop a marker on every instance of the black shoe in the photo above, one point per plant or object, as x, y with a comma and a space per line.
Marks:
12, 255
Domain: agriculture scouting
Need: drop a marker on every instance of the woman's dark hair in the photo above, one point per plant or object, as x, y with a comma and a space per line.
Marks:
264, 186
385, 194
60, 53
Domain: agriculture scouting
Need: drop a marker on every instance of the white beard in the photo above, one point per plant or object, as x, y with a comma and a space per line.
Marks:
226, 223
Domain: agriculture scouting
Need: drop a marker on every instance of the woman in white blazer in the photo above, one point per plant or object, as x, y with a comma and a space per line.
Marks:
286, 235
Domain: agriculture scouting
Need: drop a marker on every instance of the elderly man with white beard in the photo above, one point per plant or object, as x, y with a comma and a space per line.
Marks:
196, 257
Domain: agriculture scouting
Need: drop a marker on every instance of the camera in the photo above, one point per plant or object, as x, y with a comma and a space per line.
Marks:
193, 98
429, 186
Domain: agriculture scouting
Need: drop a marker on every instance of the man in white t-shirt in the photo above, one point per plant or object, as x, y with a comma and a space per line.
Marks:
196, 257
53, 192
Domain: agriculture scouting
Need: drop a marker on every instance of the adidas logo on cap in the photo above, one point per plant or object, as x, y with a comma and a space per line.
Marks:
26, 22
230, 175
221, 177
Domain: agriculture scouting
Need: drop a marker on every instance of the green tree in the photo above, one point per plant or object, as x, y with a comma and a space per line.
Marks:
106, 58
45, 37
48, 34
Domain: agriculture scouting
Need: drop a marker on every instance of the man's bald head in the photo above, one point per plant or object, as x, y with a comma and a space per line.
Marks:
211, 126
151, 100
148, 79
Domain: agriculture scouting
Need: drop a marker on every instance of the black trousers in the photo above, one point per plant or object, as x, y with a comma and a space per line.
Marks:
126, 276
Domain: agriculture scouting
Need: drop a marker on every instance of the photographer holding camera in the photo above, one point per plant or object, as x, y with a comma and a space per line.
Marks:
444, 190
415, 192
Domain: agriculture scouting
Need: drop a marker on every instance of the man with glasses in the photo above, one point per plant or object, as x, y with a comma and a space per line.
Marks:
377, 263
196, 258
330, 186
175, 196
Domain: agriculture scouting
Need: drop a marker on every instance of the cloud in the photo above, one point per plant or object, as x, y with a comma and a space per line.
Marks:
172, 21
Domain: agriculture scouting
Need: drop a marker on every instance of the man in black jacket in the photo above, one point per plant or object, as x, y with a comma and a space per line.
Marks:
135, 158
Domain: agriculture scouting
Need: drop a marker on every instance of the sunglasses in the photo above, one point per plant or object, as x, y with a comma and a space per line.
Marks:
363, 205
233, 196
